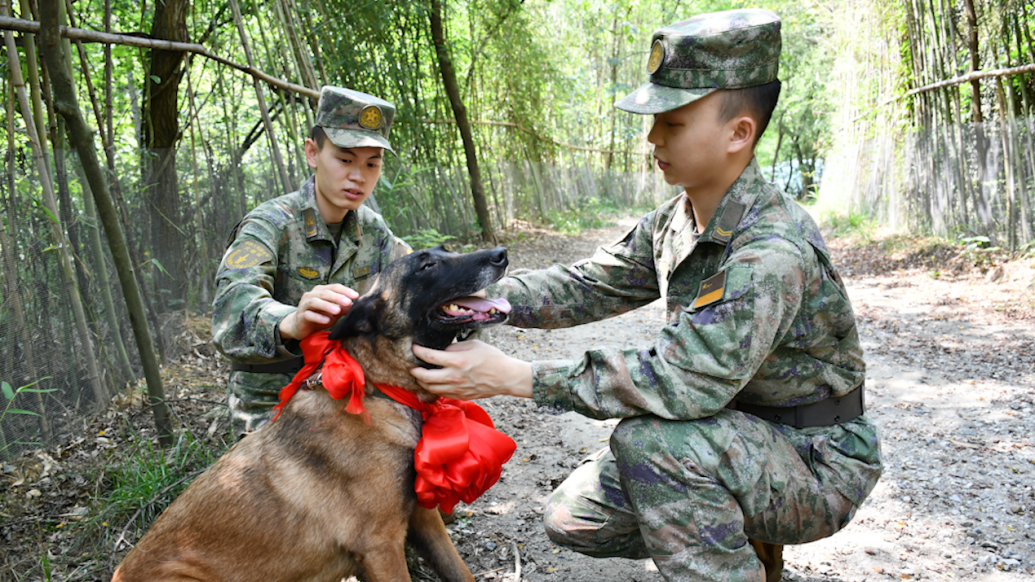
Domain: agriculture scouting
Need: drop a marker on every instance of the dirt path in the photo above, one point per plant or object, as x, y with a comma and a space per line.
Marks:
950, 379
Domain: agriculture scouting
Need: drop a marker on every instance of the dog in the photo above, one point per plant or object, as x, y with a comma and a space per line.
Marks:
318, 494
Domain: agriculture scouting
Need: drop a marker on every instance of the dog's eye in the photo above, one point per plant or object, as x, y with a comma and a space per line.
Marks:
426, 266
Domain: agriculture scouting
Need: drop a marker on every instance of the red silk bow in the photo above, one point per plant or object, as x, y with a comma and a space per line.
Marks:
342, 374
460, 453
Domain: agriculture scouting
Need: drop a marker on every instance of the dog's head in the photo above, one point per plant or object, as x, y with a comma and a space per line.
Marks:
425, 297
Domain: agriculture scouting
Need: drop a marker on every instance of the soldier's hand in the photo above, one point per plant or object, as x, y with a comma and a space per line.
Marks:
320, 308
472, 370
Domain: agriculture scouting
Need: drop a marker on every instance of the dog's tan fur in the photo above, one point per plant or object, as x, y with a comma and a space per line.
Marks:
317, 494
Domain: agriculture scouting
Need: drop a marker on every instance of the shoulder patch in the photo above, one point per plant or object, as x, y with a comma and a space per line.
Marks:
248, 254
309, 215
308, 273
711, 290
729, 220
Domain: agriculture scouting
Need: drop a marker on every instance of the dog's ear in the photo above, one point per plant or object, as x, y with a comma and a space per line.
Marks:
362, 319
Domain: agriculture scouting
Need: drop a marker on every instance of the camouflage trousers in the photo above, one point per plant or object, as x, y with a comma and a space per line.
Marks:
689, 494
251, 400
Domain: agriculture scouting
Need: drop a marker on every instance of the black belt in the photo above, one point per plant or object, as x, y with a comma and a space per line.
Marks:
289, 367
833, 410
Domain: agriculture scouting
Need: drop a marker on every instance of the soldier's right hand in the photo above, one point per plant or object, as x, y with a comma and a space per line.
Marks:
320, 308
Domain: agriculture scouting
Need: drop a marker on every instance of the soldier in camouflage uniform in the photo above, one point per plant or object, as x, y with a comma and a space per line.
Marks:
744, 419
294, 263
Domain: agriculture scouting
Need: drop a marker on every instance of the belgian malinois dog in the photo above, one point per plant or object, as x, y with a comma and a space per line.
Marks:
318, 494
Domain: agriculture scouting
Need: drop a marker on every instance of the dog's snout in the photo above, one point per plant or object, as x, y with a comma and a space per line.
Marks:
498, 257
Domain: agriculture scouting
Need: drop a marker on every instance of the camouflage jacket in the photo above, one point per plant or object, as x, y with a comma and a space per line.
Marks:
756, 312
280, 250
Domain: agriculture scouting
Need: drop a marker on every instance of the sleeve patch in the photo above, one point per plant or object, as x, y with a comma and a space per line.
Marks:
248, 254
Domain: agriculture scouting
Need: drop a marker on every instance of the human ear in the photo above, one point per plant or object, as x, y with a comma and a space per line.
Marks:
311, 150
742, 133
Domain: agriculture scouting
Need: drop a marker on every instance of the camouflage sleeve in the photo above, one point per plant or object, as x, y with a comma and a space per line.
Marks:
617, 278
398, 248
245, 317
698, 363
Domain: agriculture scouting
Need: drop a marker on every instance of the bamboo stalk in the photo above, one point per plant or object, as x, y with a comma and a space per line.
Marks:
11, 277
15, 70
82, 137
270, 135
94, 235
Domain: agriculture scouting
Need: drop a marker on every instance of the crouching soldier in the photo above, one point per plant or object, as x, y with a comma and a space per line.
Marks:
742, 422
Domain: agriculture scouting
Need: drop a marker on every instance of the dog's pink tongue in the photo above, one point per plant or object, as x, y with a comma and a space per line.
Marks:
483, 305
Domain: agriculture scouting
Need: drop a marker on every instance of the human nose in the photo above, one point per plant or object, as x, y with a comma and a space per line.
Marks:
356, 175
654, 136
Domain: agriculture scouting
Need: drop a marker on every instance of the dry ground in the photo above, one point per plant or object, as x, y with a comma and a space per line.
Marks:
951, 369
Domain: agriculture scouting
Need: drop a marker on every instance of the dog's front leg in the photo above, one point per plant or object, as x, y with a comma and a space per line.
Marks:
385, 563
429, 537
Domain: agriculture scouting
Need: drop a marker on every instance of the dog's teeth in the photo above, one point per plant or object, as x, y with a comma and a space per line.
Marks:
492, 310
453, 307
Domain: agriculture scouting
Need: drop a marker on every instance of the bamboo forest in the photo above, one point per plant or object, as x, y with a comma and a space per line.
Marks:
138, 134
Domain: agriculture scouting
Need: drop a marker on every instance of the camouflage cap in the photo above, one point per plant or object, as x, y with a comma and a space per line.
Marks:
352, 119
720, 50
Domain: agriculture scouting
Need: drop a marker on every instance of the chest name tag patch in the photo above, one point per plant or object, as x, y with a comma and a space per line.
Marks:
360, 272
248, 254
308, 273
711, 290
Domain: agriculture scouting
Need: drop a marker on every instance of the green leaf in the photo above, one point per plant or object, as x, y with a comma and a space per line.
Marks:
20, 411
160, 267
8, 393
49, 214
156, 79
38, 390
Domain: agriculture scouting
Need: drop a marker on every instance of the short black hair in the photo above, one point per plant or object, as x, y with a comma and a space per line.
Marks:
759, 102
318, 135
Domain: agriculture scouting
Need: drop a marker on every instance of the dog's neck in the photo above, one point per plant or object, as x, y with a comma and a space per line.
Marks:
386, 361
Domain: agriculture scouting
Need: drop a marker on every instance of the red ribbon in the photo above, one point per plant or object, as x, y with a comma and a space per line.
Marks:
460, 453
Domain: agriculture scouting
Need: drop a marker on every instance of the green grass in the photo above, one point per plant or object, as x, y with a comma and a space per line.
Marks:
147, 479
854, 224
590, 213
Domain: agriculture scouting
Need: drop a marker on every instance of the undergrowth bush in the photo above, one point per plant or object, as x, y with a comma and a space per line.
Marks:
590, 213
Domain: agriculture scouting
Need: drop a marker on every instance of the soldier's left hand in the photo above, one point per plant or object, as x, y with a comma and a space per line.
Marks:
472, 370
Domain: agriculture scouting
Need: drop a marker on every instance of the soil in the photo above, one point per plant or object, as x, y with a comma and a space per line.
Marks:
950, 349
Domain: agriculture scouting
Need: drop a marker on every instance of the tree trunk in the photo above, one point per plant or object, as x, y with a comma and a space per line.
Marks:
445, 65
161, 132
82, 137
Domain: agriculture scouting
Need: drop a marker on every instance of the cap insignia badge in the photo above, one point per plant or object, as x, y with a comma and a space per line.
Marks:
370, 117
657, 55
